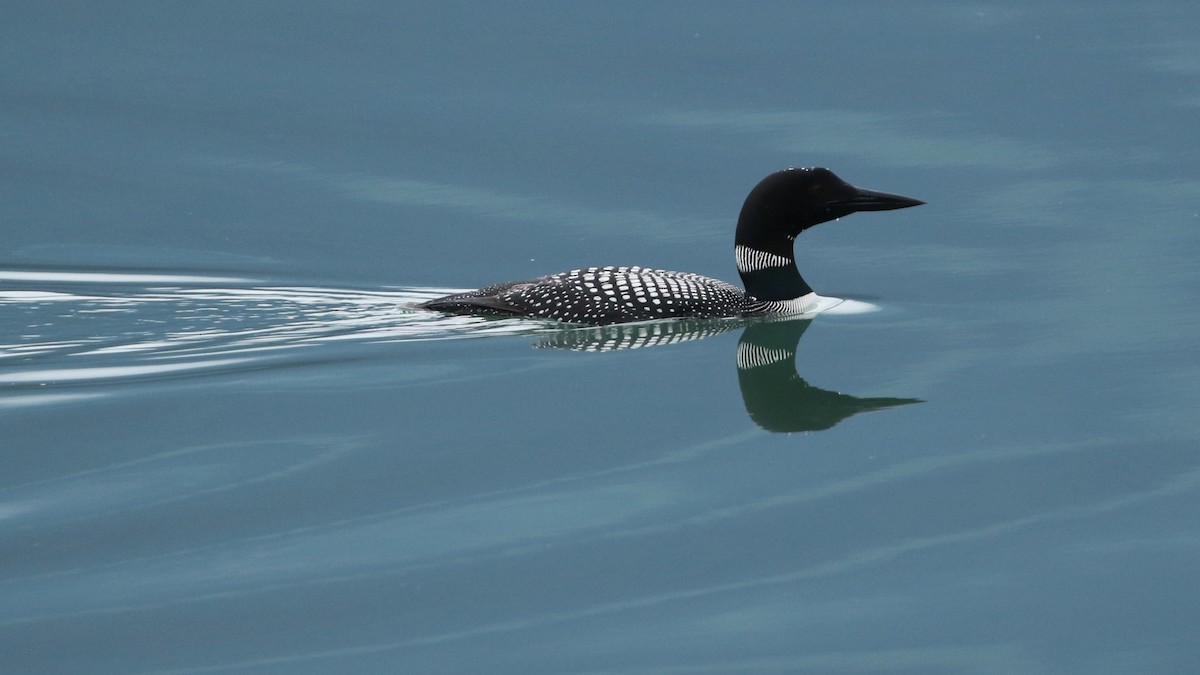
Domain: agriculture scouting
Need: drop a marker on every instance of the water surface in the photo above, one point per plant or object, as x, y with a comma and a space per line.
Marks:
229, 444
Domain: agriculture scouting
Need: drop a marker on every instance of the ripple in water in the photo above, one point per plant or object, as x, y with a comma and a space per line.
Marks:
73, 326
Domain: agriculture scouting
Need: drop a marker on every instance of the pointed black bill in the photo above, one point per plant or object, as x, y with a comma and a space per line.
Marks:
870, 200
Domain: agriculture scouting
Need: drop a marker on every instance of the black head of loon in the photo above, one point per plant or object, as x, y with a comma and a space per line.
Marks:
782, 206
776, 211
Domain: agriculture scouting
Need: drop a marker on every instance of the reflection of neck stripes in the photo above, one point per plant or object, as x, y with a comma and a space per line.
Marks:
751, 259
752, 356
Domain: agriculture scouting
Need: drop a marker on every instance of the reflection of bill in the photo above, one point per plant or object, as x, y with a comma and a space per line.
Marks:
776, 397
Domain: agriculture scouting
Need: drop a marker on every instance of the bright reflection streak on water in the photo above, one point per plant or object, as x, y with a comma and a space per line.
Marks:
76, 327
115, 278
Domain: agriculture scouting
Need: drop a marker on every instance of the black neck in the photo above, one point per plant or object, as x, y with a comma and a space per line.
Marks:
775, 283
761, 230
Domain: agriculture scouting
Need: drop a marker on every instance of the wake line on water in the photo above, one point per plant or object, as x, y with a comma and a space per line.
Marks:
80, 327
75, 327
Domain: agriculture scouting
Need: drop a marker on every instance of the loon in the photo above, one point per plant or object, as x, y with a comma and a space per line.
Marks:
779, 208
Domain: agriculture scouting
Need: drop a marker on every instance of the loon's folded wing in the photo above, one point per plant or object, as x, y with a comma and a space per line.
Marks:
470, 303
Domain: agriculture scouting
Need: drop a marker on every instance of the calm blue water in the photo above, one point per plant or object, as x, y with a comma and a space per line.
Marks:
228, 445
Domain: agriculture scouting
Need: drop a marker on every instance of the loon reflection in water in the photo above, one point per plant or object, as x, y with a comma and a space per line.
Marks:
776, 211
775, 395
777, 398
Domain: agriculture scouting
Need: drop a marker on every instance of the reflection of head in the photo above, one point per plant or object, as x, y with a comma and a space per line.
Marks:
776, 397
